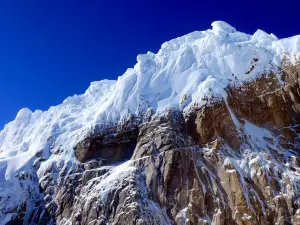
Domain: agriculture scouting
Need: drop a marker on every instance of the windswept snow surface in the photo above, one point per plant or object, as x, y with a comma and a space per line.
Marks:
195, 65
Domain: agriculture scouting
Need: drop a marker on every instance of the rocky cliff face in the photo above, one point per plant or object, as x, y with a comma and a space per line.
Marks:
231, 157
227, 162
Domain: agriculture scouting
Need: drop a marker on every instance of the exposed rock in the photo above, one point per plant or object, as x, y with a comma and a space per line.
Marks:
109, 148
227, 162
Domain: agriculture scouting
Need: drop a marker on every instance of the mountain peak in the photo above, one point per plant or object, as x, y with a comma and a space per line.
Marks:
222, 97
197, 65
222, 27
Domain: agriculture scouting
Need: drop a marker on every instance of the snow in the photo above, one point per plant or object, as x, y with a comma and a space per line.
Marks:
222, 27
288, 45
117, 175
128, 179
15, 163
196, 65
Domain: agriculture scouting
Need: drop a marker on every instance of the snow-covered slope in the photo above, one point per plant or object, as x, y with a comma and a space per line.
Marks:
184, 71
198, 64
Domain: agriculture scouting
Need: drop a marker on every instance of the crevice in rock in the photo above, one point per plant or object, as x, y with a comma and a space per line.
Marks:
110, 149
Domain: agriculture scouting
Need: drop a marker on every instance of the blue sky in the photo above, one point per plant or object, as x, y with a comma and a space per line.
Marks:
53, 49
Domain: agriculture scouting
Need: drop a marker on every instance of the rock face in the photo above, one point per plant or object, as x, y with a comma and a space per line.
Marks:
229, 158
227, 162
118, 147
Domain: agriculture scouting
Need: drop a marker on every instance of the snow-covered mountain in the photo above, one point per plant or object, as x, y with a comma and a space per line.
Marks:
224, 103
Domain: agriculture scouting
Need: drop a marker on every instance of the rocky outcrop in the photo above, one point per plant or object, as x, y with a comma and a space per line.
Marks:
109, 148
203, 167
230, 161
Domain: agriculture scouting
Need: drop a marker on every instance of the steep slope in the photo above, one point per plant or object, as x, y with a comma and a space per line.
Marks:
206, 131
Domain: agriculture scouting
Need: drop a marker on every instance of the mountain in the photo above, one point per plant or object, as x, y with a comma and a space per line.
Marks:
206, 131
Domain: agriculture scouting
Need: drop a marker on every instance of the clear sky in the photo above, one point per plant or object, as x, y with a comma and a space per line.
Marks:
53, 49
